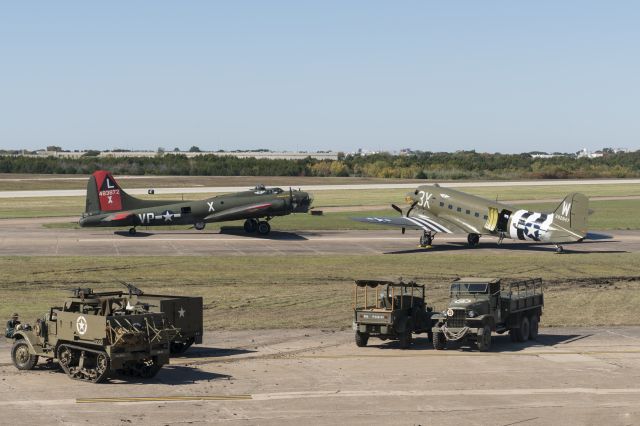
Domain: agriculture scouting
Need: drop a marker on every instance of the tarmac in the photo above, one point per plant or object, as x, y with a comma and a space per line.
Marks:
569, 376
26, 237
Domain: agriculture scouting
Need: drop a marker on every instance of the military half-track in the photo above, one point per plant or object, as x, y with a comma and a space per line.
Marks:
94, 336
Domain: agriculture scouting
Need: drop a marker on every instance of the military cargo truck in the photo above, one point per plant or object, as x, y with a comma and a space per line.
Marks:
95, 336
479, 306
390, 310
183, 312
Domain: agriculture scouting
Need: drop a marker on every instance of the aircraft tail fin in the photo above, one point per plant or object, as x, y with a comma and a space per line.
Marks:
573, 211
105, 195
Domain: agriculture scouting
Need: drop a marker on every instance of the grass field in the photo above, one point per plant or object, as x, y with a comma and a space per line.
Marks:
293, 292
22, 182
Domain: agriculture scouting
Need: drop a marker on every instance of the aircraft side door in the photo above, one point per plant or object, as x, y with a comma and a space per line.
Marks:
503, 221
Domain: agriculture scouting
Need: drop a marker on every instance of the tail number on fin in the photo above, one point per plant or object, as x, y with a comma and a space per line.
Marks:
566, 210
110, 200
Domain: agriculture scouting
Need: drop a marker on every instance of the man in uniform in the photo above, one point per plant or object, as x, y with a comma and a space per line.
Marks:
11, 325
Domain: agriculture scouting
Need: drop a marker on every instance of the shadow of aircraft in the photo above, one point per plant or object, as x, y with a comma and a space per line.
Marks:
530, 247
273, 235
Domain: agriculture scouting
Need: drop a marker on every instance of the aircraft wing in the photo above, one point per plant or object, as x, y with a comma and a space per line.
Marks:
239, 212
424, 223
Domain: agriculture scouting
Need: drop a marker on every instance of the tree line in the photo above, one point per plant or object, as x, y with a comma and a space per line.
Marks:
423, 165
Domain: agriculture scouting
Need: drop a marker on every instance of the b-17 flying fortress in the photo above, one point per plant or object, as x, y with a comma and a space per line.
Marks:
108, 205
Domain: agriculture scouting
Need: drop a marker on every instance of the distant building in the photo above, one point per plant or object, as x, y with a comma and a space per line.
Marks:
272, 155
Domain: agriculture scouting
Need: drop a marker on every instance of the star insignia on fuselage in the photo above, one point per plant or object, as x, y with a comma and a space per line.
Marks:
181, 312
168, 216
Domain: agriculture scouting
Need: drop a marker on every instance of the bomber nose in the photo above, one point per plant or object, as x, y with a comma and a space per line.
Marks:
303, 201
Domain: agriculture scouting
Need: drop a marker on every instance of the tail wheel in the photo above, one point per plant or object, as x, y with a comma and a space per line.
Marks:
361, 339
21, 357
132, 231
264, 228
484, 338
533, 326
439, 341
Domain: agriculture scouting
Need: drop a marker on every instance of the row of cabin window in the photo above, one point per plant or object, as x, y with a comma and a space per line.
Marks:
476, 214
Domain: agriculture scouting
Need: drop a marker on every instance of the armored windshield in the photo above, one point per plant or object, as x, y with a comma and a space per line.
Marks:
469, 288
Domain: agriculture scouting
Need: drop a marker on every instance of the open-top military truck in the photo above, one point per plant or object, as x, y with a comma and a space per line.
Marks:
479, 306
184, 312
93, 337
390, 310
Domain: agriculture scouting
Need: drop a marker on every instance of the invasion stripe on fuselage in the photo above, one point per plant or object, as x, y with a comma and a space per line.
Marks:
431, 224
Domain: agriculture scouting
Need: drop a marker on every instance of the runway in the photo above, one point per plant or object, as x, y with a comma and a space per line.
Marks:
569, 376
26, 237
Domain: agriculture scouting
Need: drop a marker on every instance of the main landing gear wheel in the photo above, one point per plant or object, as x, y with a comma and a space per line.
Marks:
264, 228
426, 239
132, 231
199, 225
250, 226
559, 249
473, 240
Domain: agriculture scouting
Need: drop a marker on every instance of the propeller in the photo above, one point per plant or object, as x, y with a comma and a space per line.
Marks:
291, 199
399, 210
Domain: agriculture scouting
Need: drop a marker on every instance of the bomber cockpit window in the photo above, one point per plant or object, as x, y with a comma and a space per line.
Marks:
259, 190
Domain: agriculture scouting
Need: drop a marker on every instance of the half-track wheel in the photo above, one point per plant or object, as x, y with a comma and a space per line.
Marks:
22, 359
85, 365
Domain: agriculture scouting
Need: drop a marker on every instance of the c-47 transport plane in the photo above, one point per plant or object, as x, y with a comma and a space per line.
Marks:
434, 209
108, 205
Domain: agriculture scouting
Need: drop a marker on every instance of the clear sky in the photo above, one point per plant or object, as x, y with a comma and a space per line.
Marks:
507, 76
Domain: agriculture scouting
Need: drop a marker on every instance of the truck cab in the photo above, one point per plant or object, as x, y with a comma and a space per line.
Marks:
479, 306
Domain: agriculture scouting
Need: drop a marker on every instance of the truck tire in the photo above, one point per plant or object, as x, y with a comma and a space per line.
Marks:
483, 340
439, 341
361, 339
523, 330
21, 357
533, 326
405, 339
